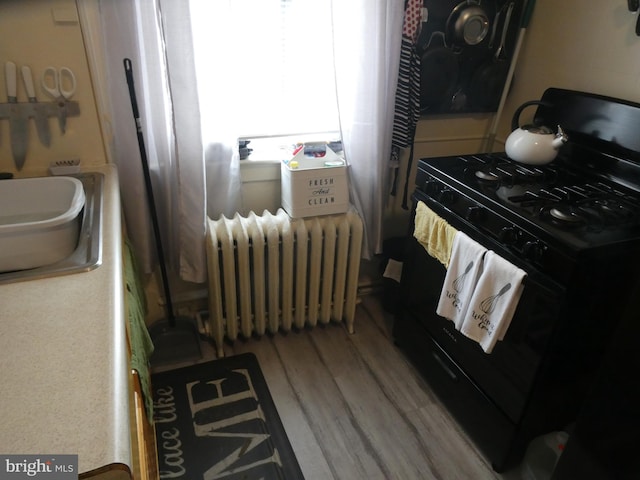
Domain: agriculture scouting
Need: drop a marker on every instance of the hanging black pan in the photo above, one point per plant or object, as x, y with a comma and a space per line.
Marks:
488, 79
468, 24
439, 71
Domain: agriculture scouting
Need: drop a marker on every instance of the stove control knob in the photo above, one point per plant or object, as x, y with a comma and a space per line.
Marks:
533, 250
474, 213
431, 187
509, 235
447, 196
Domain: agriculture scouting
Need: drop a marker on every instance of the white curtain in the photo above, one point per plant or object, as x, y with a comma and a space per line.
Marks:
192, 151
191, 178
367, 38
207, 169
121, 26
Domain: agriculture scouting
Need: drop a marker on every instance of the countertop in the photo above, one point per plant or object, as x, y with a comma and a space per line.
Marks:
64, 367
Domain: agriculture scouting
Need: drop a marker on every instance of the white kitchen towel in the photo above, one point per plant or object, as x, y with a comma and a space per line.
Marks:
462, 275
493, 302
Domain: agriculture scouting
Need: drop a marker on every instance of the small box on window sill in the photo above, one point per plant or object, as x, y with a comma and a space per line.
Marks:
314, 184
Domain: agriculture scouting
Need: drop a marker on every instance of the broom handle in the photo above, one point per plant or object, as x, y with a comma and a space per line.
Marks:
128, 68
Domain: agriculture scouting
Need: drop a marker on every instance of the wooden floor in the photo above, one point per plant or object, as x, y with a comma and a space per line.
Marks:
354, 408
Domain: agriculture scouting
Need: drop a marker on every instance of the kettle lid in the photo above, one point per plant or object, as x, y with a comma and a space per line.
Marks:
538, 129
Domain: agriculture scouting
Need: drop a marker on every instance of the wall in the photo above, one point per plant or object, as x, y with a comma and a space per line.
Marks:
41, 34
570, 45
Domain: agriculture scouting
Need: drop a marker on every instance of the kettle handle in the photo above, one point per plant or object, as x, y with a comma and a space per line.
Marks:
515, 121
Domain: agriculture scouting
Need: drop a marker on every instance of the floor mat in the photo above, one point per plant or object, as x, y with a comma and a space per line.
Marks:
217, 420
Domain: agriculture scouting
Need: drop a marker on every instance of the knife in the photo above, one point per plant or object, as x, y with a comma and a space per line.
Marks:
17, 118
42, 122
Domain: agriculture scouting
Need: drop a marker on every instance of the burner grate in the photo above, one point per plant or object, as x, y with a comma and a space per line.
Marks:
594, 205
499, 171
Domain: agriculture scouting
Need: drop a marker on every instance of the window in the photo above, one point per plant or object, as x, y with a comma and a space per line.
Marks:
281, 54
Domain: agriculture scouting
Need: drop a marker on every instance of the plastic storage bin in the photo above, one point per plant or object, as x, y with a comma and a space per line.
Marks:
542, 456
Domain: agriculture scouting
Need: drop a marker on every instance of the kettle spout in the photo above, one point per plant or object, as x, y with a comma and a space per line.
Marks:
560, 139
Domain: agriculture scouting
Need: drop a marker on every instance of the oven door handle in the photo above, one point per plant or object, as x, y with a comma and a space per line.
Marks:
450, 373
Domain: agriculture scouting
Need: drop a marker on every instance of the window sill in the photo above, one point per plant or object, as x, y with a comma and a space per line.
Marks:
277, 149
250, 162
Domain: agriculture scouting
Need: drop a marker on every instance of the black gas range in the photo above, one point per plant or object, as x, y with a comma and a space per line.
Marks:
574, 227
549, 215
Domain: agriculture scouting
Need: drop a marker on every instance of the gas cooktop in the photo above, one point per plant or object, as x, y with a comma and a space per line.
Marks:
579, 209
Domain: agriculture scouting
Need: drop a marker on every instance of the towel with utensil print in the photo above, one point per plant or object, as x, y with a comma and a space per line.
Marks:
462, 276
494, 301
480, 292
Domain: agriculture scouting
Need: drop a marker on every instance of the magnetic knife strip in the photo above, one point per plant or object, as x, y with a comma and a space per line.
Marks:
68, 108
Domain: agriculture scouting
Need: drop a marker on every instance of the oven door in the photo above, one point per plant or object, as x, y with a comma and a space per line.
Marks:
491, 395
507, 374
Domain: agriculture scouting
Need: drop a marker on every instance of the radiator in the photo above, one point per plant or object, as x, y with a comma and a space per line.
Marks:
272, 273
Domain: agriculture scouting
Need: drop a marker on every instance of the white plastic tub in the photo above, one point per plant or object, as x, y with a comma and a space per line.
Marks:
39, 221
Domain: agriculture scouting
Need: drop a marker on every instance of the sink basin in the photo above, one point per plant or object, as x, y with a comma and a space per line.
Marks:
39, 221
50, 225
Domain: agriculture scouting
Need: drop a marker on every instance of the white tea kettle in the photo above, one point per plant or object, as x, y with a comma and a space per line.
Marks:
533, 144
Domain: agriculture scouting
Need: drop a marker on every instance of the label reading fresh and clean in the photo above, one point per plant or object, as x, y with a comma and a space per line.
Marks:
321, 191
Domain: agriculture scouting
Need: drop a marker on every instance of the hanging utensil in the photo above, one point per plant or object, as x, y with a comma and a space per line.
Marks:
439, 74
494, 28
634, 5
40, 116
459, 100
488, 80
505, 29
54, 82
18, 118
468, 24
524, 23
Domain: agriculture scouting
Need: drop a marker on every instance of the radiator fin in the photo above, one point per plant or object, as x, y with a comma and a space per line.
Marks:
270, 272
